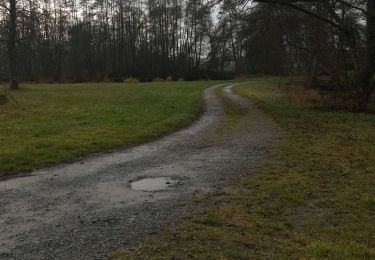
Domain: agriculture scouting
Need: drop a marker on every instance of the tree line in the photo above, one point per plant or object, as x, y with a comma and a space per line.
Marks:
96, 40
332, 38
88, 40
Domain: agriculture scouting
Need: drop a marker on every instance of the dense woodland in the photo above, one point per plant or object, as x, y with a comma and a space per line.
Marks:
110, 40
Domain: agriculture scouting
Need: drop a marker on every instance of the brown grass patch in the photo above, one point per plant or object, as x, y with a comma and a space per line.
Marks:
328, 100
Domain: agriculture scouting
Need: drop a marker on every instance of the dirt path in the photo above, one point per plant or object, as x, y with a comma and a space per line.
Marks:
85, 209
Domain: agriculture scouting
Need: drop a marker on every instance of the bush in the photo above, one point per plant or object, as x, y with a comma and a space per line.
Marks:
301, 96
106, 80
3, 99
157, 79
131, 80
329, 100
169, 79
240, 77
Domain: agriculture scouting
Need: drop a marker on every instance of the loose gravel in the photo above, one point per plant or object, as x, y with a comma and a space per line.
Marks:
86, 209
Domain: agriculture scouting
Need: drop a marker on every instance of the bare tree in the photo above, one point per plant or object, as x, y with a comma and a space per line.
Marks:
11, 11
336, 17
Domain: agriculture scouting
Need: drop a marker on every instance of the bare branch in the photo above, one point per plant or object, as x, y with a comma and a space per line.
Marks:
3, 5
292, 4
352, 6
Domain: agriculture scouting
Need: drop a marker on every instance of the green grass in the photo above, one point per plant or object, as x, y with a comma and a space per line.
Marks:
58, 122
233, 111
314, 198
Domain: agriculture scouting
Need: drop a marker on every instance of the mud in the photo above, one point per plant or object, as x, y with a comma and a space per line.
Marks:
154, 184
86, 209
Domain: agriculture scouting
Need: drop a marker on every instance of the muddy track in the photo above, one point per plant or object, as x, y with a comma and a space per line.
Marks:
86, 209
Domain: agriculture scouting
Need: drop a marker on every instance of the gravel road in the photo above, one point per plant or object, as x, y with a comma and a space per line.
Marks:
86, 209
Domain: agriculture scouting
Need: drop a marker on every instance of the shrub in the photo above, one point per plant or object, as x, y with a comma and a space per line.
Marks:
157, 79
169, 79
3, 99
131, 80
330, 100
106, 80
301, 96
240, 77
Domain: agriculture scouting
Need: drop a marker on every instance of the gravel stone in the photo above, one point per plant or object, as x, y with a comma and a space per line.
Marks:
86, 209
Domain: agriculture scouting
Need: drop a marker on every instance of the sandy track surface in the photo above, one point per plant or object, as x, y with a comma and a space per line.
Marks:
86, 209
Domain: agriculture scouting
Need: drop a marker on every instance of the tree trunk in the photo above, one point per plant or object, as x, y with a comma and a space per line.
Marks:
13, 83
366, 75
314, 70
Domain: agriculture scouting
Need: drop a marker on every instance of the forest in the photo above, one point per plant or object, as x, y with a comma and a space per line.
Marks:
111, 40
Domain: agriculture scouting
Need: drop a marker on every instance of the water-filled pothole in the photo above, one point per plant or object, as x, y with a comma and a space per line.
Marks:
154, 184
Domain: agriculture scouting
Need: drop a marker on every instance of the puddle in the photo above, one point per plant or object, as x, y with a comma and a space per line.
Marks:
154, 184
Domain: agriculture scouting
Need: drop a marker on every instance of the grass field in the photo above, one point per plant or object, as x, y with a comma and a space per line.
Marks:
313, 199
52, 123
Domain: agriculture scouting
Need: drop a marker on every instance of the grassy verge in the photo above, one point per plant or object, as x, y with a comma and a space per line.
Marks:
233, 111
314, 198
54, 123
